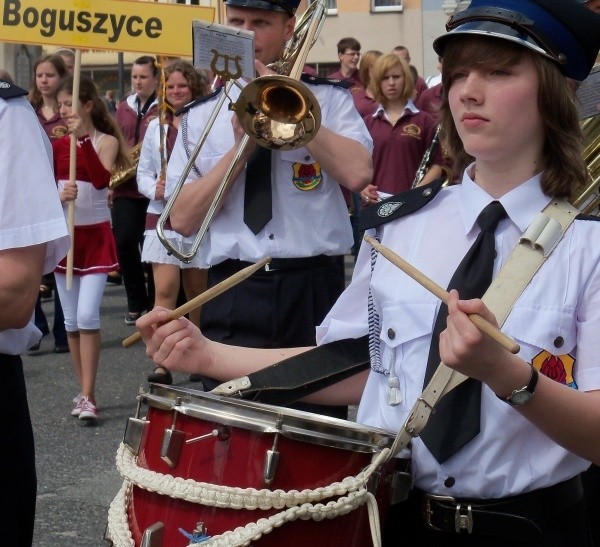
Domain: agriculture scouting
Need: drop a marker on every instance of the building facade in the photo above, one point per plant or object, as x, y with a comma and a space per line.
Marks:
376, 24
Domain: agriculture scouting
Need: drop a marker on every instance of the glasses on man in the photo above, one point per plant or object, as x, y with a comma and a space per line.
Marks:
352, 53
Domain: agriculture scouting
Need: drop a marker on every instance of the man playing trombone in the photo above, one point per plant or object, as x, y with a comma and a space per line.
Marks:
307, 231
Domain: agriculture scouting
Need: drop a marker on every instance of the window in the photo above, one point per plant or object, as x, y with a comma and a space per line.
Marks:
330, 7
386, 5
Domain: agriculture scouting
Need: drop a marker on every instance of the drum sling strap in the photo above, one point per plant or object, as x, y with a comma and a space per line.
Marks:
287, 381
292, 379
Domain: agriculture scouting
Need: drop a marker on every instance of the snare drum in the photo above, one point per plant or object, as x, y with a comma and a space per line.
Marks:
225, 444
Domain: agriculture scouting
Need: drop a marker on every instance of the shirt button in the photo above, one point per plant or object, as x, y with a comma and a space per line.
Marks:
306, 158
449, 482
391, 334
559, 341
271, 236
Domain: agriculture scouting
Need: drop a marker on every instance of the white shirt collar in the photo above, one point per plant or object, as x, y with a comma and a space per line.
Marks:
410, 106
521, 203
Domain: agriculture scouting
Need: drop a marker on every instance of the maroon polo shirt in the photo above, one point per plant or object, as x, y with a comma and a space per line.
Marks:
55, 127
399, 149
430, 100
352, 78
364, 104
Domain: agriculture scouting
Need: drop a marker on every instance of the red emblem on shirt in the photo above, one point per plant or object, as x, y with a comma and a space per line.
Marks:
307, 176
557, 367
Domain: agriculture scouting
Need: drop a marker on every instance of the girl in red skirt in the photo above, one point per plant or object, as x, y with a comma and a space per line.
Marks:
100, 148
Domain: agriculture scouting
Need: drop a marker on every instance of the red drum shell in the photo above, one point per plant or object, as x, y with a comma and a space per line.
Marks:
239, 460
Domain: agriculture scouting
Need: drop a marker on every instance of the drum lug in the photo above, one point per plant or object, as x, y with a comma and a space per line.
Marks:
135, 429
400, 485
153, 535
172, 443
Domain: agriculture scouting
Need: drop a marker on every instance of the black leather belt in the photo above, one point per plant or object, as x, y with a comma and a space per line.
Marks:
516, 517
278, 264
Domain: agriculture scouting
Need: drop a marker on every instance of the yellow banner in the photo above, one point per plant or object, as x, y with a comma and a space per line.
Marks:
148, 27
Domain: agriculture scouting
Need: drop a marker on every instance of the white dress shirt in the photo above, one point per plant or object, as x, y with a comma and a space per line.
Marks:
558, 312
305, 222
30, 209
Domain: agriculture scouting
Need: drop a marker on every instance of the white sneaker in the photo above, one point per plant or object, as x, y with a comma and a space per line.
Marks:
88, 410
78, 401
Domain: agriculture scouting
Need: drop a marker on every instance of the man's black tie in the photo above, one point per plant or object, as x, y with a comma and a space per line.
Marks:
456, 418
257, 194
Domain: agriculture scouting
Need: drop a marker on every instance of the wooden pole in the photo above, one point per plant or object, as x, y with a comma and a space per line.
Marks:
72, 169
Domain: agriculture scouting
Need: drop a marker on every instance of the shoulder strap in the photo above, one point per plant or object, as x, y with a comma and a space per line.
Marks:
399, 205
9, 91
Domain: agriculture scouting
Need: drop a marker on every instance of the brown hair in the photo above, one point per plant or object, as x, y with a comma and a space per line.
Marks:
366, 62
564, 168
101, 118
348, 43
35, 97
382, 65
198, 87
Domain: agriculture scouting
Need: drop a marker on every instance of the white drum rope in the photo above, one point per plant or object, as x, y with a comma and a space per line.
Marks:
351, 493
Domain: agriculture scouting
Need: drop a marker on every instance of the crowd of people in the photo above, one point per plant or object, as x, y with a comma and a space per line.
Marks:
306, 209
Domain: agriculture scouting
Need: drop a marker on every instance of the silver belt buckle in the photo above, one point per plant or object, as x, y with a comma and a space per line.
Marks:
428, 511
462, 521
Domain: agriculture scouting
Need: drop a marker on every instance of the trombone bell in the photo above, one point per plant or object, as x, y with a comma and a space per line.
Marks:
278, 112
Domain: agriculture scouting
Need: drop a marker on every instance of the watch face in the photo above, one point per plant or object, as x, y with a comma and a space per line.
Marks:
520, 397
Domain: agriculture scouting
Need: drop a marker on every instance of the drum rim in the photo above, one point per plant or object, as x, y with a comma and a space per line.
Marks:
259, 417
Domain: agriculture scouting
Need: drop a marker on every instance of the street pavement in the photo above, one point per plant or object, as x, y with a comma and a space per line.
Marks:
77, 474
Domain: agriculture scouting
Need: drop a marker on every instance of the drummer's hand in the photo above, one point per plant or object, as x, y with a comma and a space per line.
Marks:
175, 345
464, 347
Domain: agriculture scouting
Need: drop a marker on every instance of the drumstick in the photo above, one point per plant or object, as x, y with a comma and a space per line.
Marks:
205, 296
482, 324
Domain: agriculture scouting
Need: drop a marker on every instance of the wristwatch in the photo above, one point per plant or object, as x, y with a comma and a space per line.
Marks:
520, 397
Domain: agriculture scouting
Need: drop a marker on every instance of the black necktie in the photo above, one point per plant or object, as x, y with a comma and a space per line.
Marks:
257, 193
456, 418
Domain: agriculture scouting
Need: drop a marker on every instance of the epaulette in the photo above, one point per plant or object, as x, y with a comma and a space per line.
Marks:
399, 205
586, 217
197, 101
317, 80
9, 91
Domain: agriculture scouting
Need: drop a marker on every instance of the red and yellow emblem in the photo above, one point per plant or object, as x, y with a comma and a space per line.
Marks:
307, 176
557, 367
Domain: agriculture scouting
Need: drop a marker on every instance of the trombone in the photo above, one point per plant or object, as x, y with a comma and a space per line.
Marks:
276, 111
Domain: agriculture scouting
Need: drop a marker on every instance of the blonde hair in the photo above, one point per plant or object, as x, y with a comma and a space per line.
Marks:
382, 65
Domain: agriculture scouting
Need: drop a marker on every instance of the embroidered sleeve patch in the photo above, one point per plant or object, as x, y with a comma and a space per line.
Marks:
557, 367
